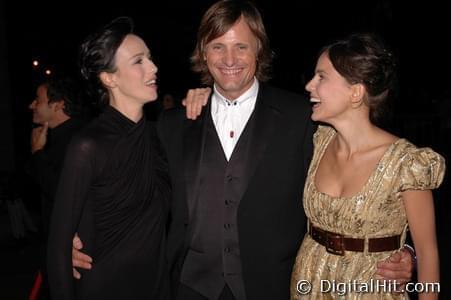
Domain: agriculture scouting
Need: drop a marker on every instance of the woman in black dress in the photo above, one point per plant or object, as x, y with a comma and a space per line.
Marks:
113, 188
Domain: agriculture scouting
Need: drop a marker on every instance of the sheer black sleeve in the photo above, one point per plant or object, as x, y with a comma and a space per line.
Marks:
76, 178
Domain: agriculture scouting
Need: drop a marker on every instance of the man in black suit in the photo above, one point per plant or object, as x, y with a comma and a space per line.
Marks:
56, 111
238, 170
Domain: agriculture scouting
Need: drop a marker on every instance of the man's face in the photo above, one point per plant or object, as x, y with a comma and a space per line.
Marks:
42, 110
232, 60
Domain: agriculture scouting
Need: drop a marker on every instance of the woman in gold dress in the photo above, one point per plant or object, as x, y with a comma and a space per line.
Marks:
364, 185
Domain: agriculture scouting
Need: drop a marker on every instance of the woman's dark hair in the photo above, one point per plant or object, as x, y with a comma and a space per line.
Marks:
97, 54
364, 58
218, 19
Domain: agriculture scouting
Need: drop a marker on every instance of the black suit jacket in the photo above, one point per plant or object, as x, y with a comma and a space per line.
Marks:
271, 220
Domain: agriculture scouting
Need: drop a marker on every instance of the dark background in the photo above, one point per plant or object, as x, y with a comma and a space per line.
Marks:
52, 32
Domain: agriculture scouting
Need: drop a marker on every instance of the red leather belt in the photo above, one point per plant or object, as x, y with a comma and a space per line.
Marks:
337, 243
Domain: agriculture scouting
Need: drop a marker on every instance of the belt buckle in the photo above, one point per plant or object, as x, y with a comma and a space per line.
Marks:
330, 244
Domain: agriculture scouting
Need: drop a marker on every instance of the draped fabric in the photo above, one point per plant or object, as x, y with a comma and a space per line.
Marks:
113, 191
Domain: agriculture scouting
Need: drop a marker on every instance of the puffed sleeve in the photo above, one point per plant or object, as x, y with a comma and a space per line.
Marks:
421, 169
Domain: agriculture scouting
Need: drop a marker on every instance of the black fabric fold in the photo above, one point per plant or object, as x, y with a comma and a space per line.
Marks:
113, 192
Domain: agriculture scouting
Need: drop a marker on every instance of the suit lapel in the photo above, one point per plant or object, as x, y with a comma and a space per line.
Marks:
261, 128
260, 131
193, 147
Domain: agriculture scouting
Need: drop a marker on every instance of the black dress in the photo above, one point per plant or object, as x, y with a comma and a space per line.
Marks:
113, 191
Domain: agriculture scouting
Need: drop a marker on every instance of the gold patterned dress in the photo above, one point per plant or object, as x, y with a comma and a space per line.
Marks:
376, 211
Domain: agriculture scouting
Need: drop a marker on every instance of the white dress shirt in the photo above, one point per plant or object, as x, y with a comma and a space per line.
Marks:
230, 117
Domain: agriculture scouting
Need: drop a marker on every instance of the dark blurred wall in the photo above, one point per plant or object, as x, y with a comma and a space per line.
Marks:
6, 121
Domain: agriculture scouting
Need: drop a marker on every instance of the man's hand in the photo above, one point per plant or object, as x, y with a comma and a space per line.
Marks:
397, 267
79, 259
195, 100
39, 137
